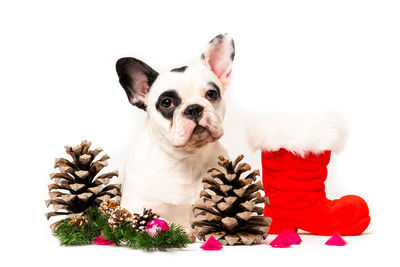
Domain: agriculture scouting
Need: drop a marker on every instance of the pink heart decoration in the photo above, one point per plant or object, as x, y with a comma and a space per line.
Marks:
285, 239
100, 240
335, 240
211, 244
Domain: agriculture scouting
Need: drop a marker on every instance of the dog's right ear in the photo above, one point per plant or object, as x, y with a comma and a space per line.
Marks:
136, 77
219, 56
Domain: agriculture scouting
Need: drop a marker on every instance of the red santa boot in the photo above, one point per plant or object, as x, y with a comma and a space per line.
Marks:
296, 191
294, 169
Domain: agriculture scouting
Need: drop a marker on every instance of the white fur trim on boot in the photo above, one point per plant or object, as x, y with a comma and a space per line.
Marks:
297, 133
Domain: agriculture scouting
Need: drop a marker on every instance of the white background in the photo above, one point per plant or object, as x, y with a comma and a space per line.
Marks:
58, 86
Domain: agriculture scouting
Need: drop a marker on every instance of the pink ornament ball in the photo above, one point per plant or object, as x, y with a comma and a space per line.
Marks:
156, 226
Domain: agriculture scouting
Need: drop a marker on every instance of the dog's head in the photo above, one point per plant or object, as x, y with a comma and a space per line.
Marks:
185, 105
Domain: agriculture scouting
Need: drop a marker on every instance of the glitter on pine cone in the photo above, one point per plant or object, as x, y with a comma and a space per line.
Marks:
108, 206
232, 208
79, 220
140, 222
119, 215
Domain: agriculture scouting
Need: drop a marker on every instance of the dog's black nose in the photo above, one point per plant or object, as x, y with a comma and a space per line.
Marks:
193, 112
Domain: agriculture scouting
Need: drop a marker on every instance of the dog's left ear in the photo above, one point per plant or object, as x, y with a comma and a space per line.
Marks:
219, 56
136, 77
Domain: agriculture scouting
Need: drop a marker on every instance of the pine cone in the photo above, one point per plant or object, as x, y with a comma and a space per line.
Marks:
108, 206
230, 211
140, 221
119, 215
77, 187
79, 220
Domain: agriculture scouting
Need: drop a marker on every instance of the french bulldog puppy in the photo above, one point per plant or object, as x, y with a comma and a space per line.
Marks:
185, 109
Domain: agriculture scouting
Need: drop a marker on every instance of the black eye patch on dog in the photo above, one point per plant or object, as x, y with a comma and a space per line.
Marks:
172, 97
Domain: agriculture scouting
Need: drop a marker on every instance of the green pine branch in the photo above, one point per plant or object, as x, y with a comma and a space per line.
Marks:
174, 238
73, 235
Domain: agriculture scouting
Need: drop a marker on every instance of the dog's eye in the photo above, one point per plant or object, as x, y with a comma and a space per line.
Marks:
167, 103
212, 94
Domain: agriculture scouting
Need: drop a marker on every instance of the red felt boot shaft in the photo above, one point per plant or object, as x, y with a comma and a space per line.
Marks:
290, 181
296, 190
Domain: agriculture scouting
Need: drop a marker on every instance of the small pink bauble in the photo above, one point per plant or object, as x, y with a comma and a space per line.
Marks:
100, 240
156, 226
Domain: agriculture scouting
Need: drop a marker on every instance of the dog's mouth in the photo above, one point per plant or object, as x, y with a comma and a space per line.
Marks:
201, 136
198, 130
